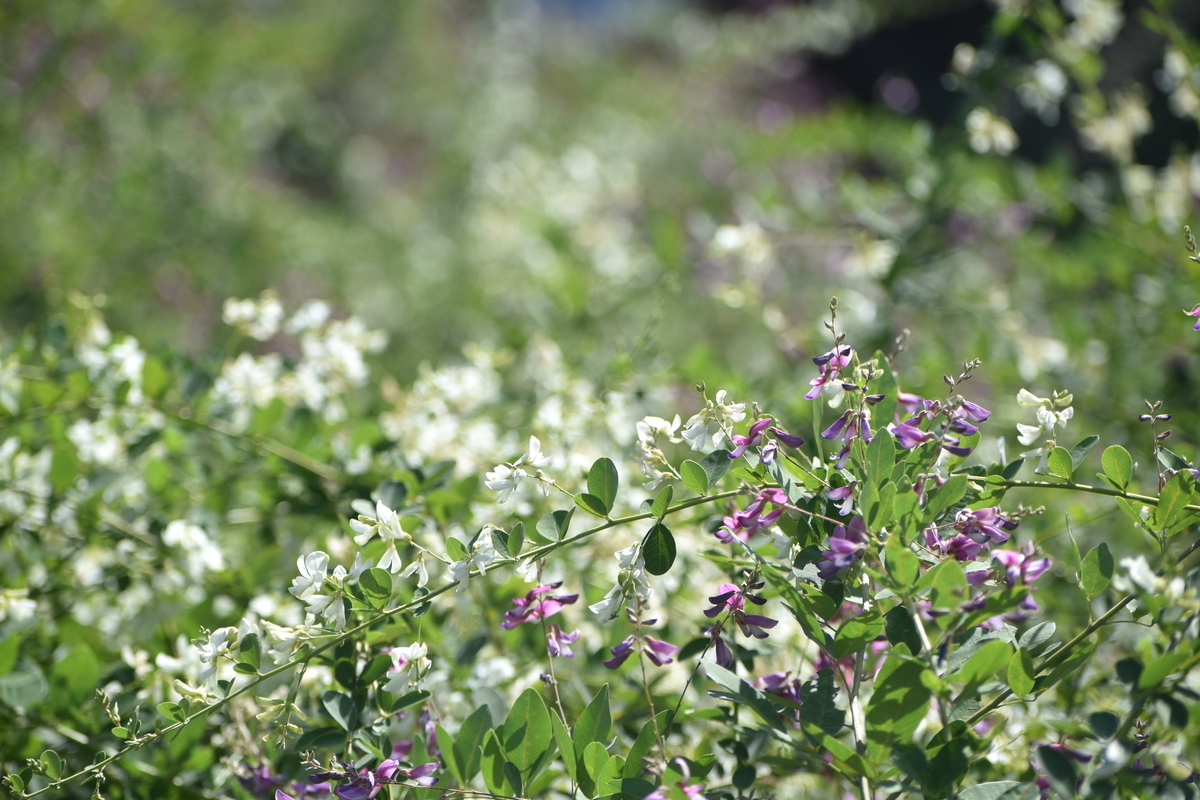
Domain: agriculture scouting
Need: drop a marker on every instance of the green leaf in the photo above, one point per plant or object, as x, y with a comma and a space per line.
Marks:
155, 377
1117, 465
987, 661
902, 565
554, 525
526, 733
594, 723
995, 790
492, 764
52, 764
468, 747
516, 538
74, 678
1170, 460
455, 549
1158, 669
602, 483
950, 493
715, 465
635, 760
376, 583
63, 467
900, 629
1097, 570
855, 634
881, 457
171, 711
341, 709
410, 699
566, 748
592, 504
818, 703
449, 753
1104, 723
1060, 770
250, 650
1037, 638
121, 733
593, 760
25, 686
694, 477
662, 502
744, 693
1172, 500
500, 542
884, 384
1021, 673
513, 776
1059, 463
659, 550
899, 702
1081, 451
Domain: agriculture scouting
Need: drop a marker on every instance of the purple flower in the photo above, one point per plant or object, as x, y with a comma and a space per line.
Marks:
744, 524
782, 684
722, 653
846, 546
909, 435
621, 653
390, 772
985, 525
260, 781
753, 440
530, 607
1020, 566
912, 403
732, 599
848, 427
789, 439
972, 411
1195, 312
844, 494
830, 366
557, 642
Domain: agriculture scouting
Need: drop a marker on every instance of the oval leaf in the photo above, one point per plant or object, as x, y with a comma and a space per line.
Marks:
662, 502
1059, 463
602, 483
376, 583
659, 550
694, 477
1096, 573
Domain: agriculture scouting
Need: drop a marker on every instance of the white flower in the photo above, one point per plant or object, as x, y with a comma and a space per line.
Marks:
258, 319
313, 569
418, 568
505, 478
409, 666
481, 554
710, 423
219, 643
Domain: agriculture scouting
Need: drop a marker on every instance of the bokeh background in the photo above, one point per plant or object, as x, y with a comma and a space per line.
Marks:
659, 188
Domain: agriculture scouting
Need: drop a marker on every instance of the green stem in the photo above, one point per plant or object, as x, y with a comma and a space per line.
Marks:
1083, 487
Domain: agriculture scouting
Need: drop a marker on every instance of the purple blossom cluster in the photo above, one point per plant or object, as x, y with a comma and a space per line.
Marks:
658, 651
962, 419
847, 544
829, 366
744, 524
975, 531
535, 607
361, 784
756, 437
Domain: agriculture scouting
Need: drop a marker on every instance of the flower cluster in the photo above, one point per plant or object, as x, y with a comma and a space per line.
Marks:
533, 606
505, 478
745, 523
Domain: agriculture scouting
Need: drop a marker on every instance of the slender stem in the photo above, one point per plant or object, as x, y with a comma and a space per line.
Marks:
1083, 487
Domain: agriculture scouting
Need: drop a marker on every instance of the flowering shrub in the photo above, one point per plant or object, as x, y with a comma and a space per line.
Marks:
851, 614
